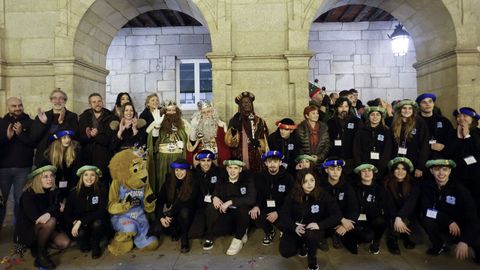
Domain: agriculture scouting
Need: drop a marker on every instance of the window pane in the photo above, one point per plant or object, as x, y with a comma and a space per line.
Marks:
187, 78
206, 78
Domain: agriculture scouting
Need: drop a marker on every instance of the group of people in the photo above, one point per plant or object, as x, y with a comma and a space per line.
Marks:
347, 171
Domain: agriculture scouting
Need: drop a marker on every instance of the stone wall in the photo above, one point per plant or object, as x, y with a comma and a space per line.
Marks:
358, 55
143, 60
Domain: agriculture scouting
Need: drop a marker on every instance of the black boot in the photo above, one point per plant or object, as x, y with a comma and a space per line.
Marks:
43, 260
407, 243
184, 245
392, 245
96, 250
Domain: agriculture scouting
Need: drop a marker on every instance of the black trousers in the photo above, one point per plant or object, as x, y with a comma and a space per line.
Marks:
180, 225
262, 222
291, 243
91, 233
370, 230
235, 218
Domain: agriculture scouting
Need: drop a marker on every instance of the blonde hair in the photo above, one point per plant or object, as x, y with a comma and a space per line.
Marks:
57, 153
80, 182
36, 184
149, 97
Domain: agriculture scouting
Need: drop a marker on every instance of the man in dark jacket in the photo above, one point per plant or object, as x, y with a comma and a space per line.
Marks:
47, 123
272, 185
448, 208
95, 136
285, 140
17, 152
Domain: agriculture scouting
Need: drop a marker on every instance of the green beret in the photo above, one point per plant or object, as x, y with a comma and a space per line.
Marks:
392, 163
47, 168
441, 162
89, 168
371, 109
233, 162
365, 166
404, 102
306, 157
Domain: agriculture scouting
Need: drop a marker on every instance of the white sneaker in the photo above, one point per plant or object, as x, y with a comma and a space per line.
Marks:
235, 247
245, 238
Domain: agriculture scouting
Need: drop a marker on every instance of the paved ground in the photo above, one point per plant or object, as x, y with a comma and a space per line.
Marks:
252, 256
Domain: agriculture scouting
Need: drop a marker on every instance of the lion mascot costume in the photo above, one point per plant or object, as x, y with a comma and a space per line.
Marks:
130, 196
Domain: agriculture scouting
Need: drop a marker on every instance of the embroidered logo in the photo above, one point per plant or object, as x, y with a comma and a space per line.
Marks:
315, 208
340, 196
370, 198
414, 131
439, 124
94, 199
243, 190
213, 179
291, 146
380, 137
281, 188
451, 200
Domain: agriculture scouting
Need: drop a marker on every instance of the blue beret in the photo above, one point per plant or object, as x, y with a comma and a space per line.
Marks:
333, 163
274, 154
205, 154
467, 111
424, 96
180, 163
59, 134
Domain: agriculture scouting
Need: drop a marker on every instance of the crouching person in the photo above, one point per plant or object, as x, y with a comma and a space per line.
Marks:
233, 197
448, 209
129, 197
86, 210
305, 216
40, 208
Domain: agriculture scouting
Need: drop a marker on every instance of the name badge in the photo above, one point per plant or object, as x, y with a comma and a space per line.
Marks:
432, 213
341, 195
270, 203
362, 217
432, 141
374, 155
380, 137
439, 125
243, 190
95, 200
470, 160
213, 179
315, 208
62, 184
451, 200
291, 146
351, 126
207, 198
338, 142
281, 188
402, 150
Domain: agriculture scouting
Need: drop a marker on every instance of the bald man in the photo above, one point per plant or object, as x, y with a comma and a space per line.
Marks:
17, 151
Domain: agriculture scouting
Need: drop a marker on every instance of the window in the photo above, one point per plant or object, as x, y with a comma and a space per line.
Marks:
194, 82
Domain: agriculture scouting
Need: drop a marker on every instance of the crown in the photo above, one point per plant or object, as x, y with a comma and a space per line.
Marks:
203, 104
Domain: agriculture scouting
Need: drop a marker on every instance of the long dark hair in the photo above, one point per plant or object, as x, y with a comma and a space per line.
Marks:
186, 189
391, 183
297, 190
119, 98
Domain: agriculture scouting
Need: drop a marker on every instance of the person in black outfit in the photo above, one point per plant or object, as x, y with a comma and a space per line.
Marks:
438, 126
307, 212
17, 153
86, 210
176, 203
273, 186
39, 210
285, 140
373, 142
447, 208
410, 135
152, 105
402, 198
340, 189
128, 130
465, 151
341, 129
49, 122
233, 197
95, 136
206, 176
122, 99
371, 197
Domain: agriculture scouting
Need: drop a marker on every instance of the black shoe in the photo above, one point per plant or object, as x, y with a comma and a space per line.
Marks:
407, 243
313, 267
96, 252
392, 245
435, 250
375, 247
302, 252
267, 240
351, 246
207, 245
323, 245
44, 261
84, 247
336, 241
185, 245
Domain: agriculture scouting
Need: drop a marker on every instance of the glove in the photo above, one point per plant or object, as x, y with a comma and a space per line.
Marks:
150, 198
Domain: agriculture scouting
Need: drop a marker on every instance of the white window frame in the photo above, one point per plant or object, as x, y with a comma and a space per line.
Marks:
196, 71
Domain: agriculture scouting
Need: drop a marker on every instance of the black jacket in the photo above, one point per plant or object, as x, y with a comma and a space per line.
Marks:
41, 132
453, 203
31, 207
147, 115
18, 151
344, 132
460, 149
371, 199
405, 206
345, 197
272, 187
87, 206
206, 182
439, 129
242, 192
367, 140
324, 212
290, 147
174, 206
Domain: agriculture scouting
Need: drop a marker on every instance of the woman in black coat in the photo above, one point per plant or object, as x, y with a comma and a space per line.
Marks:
402, 197
128, 130
39, 211
305, 216
86, 210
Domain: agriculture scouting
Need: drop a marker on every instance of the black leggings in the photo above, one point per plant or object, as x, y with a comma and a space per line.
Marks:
290, 244
91, 233
237, 216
